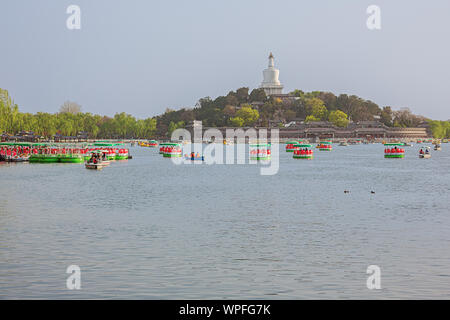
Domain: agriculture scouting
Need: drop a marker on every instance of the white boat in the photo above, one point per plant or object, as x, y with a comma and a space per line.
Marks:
425, 154
95, 166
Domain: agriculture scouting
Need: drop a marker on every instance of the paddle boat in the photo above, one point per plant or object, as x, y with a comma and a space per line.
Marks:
325, 145
343, 143
97, 161
95, 166
153, 143
260, 151
303, 151
425, 154
290, 145
122, 154
193, 157
393, 151
437, 147
172, 150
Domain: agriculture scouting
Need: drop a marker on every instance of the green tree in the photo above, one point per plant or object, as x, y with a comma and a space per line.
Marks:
258, 95
338, 118
237, 122
248, 114
173, 126
242, 94
316, 108
311, 118
386, 116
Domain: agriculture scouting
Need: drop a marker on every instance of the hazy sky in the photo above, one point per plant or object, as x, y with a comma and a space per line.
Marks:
142, 56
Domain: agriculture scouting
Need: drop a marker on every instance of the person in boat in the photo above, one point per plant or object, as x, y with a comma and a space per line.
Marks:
421, 151
198, 155
427, 151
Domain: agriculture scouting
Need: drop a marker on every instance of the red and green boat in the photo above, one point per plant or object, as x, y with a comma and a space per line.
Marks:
260, 151
303, 151
392, 151
325, 145
172, 150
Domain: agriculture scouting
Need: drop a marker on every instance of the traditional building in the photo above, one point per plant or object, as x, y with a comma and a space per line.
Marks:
271, 84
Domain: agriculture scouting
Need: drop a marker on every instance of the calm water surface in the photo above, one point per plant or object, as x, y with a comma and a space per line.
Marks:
146, 228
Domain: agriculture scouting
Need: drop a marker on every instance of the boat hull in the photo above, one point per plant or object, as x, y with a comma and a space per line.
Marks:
308, 157
169, 155
195, 159
394, 156
92, 166
260, 158
424, 156
71, 159
40, 159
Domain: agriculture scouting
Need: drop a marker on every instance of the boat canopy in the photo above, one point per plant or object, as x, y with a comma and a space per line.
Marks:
300, 145
170, 144
256, 145
107, 144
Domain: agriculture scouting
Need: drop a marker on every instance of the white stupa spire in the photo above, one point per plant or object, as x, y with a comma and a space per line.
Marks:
271, 61
271, 84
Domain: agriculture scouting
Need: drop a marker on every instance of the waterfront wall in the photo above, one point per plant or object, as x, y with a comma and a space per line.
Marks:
366, 130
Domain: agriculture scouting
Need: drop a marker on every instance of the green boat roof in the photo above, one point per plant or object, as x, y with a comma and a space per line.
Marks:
104, 144
170, 144
22, 144
302, 145
259, 145
325, 142
394, 144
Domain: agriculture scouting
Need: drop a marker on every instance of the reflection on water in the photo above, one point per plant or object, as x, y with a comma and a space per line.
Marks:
146, 228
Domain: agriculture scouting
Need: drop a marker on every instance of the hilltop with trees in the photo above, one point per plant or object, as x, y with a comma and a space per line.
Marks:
241, 108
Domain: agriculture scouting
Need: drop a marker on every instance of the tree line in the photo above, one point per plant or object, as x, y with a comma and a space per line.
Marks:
70, 121
243, 108
240, 108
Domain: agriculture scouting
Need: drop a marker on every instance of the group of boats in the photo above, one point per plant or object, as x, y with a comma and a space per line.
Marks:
393, 150
96, 155
148, 144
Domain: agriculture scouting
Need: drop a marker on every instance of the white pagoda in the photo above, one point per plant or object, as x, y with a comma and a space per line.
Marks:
271, 84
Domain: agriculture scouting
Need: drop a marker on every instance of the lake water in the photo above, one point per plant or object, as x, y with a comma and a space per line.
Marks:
149, 229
